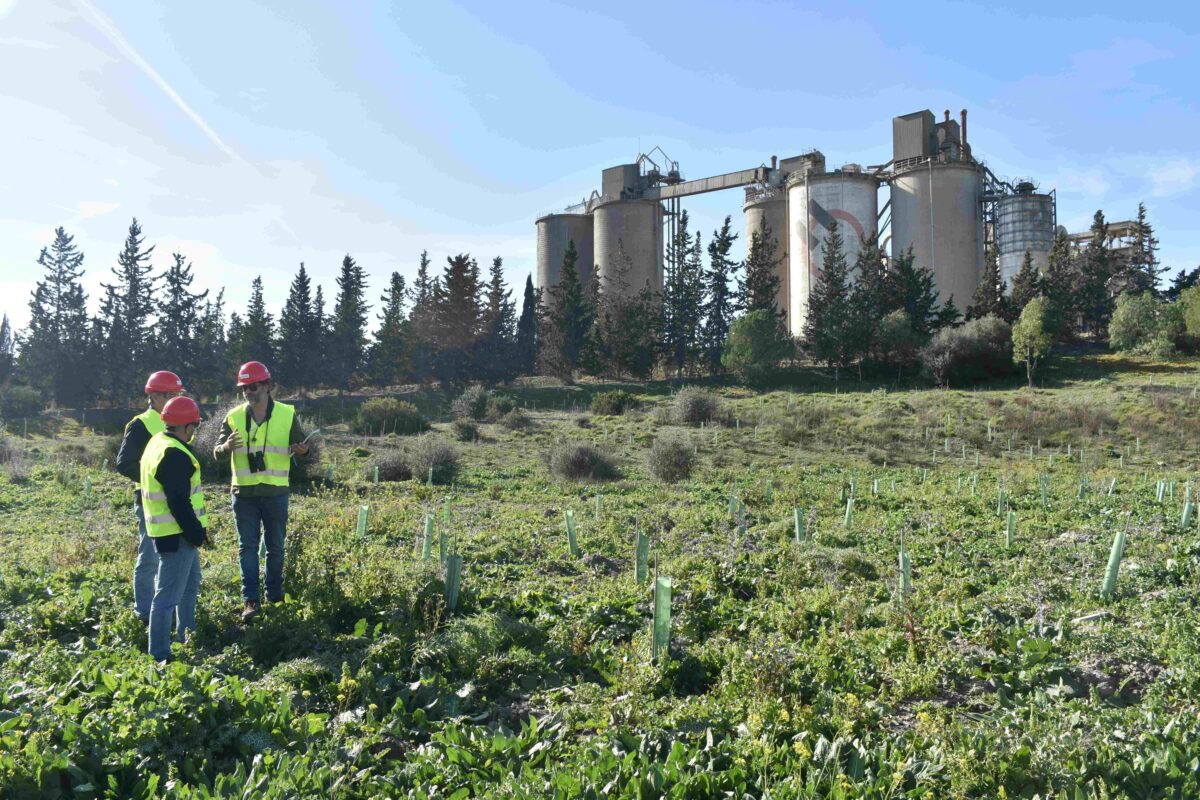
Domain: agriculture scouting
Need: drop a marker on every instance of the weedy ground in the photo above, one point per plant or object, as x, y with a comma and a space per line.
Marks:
796, 667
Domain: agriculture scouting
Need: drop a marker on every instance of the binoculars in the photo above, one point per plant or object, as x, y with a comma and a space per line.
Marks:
258, 461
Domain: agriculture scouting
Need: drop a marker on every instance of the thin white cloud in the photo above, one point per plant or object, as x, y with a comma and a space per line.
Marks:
1174, 177
16, 41
110, 31
95, 208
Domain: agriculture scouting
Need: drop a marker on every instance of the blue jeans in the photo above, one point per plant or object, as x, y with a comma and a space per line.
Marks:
176, 588
265, 517
145, 568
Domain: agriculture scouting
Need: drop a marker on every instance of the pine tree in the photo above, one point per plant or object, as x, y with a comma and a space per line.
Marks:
567, 324
255, 339
127, 315
8, 346
495, 361
298, 340
179, 313
829, 325
759, 285
990, 296
719, 304
527, 330
348, 340
320, 371
1144, 272
388, 359
683, 306
1027, 284
54, 356
457, 320
1058, 286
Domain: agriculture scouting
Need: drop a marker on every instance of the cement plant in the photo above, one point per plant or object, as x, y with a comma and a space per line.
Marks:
939, 199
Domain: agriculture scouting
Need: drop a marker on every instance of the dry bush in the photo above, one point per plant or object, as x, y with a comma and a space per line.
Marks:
694, 406
465, 430
613, 403
670, 458
471, 404
516, 420
381, 415
393, 466
430, 451
581, 461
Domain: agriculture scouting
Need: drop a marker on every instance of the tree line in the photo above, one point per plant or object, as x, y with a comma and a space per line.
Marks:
462, 324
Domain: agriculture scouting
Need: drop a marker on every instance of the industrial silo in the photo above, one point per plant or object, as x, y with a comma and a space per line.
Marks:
815, 202
769, 205
936, 210
553, 233
634, 226
1024, 222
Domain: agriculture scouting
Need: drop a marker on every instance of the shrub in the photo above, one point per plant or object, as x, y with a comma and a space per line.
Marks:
980, 349
757, 343
693, 406
20, 401
612, 403
581, 461
516, 420
381, 415
499, 405
471, 404
393, 466
465, 430
432, 452
1142, 324
206, 440
670, 458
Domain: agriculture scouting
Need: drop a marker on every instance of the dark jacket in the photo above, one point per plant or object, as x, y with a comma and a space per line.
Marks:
175, 474
129, 457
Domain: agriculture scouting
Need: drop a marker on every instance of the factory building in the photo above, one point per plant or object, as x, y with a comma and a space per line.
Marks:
941, 203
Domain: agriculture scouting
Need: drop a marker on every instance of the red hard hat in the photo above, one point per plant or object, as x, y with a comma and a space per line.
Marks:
180, 411
163, 381
253, 372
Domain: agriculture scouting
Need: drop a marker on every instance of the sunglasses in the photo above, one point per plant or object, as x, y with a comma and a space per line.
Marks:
253, 387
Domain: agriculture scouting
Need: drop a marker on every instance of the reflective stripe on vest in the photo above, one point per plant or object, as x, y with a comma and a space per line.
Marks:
271, 439
159, 519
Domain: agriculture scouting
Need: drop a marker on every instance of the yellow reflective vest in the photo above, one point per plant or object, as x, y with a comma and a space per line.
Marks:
159, 520
270, 439
151, 420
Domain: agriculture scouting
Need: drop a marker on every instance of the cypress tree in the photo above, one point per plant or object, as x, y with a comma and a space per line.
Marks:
320, 373
495, 362
255, 340
348, 329
1095, 268
1184, 279
54, 356
388, 356
829, 325
1058, 285
990, 293
126, 312
1027, 284
179, 313
212, 372
564, 331
457, 320
422, 319
1144, 270
683, 305
527, 330
720, 302
7, 351
297, 344
910, 289
759, 285
868, 295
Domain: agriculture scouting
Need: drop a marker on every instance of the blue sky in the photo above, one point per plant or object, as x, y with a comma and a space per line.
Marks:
253, 136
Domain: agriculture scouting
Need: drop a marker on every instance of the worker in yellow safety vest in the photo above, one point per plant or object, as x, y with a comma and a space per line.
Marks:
260, 437
161, 386
176, 521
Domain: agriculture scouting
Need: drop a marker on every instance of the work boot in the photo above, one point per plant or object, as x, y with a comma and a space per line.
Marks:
250, 610
274, 600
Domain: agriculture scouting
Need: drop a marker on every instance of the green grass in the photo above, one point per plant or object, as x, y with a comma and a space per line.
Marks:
793, 670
